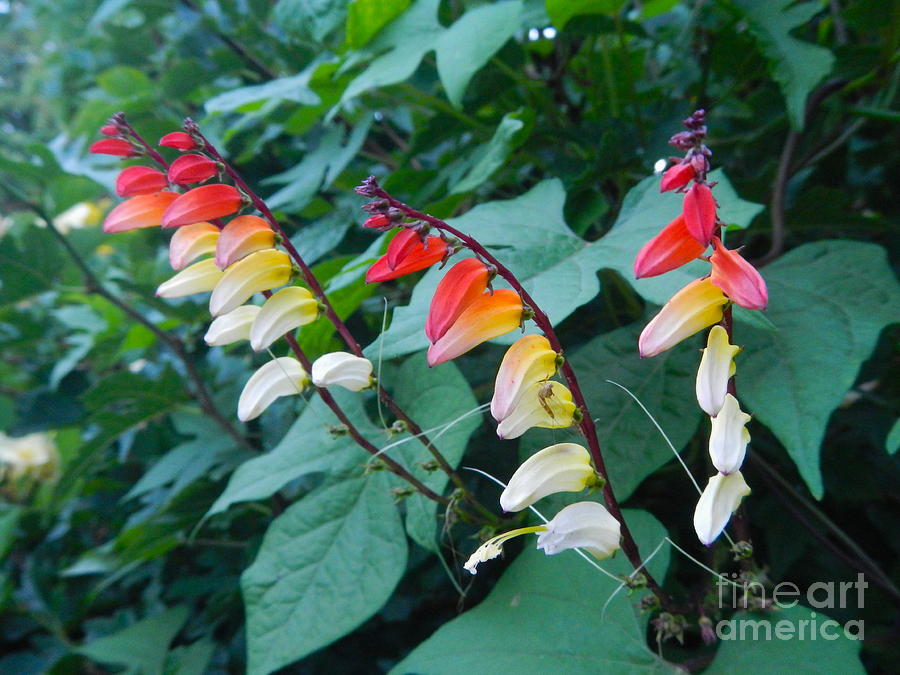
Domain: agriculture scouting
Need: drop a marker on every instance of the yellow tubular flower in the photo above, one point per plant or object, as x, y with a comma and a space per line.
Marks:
693, 308
564, 467
198, 278
543, 404
286, 310
259, 271
529, 360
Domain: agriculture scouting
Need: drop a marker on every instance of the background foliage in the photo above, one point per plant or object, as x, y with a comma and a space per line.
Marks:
168, 544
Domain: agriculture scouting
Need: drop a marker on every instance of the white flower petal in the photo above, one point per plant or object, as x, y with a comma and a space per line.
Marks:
720, 498
283, 376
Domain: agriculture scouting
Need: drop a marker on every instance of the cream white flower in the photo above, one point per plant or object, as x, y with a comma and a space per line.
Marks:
197, 278
543, 404
259, 271
284, 311
33, 454
283, 376
716, 368
564, 467
720, 498
342, 369
729, 438
585, 525
231, 327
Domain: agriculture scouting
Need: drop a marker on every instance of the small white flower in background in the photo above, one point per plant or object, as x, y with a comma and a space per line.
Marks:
586, 525
342, 369
82, 214
729, 438
722, 496
231, 327
34, 454
716, 368
279, 377
564, 467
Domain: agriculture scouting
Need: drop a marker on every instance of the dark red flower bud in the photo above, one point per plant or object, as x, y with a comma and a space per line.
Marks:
380, 221
178, 140
192, 169
113, 146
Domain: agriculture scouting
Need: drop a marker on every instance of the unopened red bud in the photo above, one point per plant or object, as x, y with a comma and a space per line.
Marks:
109, 130
113, 146
700, 213
379, 221
140, 180
178, 140
192, 169
676, 176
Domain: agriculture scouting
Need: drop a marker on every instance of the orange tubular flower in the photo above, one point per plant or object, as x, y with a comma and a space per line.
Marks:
407, 253
140, 211
190, 242
140, 180
693, 308
489, 316
192, 169
202, 203
178, 140
676, 176
241, 237
700, 213
460, 287
737, 278
672, 247
113, 146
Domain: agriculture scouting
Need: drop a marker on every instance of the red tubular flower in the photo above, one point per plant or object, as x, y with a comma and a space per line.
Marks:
489, 316
380, 221
241, 237
109, 130
113, 146
737, 278
140, 211
671, 248
407, 253
202, 203
192, 169
676, 176
178, 140
140, 180
459, 288
700, 213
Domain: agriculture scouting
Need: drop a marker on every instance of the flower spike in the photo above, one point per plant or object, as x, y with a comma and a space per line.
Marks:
283, 376
489, 316
284, 311
544, 404
693, 308
241, 237
716, 368
259, 271
461, 286
700, 213
737, 278
138, 212
528, 361
564, 467
190, 242
407, 254
203, 203
672, 247
140, 180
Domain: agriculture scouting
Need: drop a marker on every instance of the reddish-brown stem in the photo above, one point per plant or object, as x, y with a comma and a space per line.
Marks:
119, 120
629, 545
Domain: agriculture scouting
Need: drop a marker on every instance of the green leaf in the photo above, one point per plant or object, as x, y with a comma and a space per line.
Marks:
192, 659
124, 81
492, 155
310, 19
309, 446
294, 88
365, 18
892, 442
546, 615
465, 47
28, 266
433, 397
632, 446
529, 235
644, 213
560, 11
793, 378
142, 646
797, 66
787, 642
326, 564
9, 521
